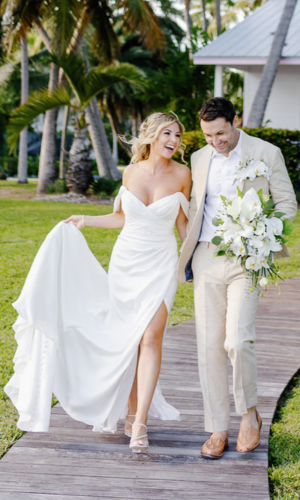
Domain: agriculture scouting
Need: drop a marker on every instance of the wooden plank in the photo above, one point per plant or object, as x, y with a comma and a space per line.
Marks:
73, 463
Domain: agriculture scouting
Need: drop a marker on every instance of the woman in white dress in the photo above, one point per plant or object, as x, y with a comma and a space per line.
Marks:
94, 339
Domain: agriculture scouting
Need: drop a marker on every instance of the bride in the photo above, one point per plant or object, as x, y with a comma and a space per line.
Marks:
94, 339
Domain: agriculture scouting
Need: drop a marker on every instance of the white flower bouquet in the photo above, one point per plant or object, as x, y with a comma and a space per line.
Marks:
252, 169
250, 231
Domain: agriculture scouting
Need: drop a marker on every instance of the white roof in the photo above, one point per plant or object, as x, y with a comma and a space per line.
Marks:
249, 42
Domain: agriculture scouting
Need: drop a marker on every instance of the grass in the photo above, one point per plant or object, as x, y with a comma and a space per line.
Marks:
284, 455
23, 227
11, 189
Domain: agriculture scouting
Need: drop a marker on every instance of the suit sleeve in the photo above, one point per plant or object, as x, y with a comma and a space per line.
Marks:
281, 188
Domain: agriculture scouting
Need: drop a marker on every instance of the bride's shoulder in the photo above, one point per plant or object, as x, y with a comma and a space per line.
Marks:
182, 170
129, 171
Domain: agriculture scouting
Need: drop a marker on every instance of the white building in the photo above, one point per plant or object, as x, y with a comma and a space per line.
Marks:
246, 47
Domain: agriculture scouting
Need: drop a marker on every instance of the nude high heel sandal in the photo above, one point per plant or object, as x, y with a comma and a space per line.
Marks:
128, 432
138, 447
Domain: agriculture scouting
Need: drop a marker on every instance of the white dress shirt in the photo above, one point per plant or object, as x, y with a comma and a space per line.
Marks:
220, 180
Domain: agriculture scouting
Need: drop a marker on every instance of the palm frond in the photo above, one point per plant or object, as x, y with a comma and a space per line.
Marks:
100, 79
62, 18
39, 102
19, 19
104, 41
75, 70
6, 70
138, 15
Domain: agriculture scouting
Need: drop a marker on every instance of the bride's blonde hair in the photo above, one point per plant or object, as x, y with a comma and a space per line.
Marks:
149, 131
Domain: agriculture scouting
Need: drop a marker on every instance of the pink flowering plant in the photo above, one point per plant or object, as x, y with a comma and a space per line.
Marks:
250, 231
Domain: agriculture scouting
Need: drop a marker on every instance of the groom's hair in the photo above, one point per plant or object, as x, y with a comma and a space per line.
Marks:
217, 107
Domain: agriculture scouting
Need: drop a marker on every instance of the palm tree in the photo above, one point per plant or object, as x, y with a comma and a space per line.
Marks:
67, 22
218, 16
270, 69
14, 35
23, 152
85, 86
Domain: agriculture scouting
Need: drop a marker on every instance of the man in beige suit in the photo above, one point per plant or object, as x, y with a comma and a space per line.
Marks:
225, 309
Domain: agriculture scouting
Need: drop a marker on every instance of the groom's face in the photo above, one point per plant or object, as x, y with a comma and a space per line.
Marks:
220, 134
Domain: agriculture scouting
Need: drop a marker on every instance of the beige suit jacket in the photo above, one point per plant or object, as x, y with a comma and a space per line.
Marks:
279, 187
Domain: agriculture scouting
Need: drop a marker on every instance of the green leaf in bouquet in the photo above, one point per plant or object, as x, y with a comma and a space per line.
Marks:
220, 253
216, 221
269, 213
281, 240
278, 214
261, 196
222, 250
217, 240
224, 199
269, 205
240, 194
288, 227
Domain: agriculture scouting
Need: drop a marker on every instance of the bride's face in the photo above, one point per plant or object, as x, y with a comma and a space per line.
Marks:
168, 141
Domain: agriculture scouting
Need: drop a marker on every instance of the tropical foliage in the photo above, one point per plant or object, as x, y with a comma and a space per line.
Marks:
102, 37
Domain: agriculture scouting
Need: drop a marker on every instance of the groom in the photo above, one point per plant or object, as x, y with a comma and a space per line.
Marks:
224, 310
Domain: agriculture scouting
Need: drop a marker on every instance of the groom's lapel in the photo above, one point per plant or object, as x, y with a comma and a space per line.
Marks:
247, 153
201, 172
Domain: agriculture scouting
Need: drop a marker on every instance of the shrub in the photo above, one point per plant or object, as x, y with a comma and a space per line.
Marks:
57, 187
105, 186
287, 140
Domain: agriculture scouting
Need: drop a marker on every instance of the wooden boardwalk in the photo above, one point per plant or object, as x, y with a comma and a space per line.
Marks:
73, 463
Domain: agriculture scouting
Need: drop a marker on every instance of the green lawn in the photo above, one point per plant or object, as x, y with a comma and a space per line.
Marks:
23, 227
285, 447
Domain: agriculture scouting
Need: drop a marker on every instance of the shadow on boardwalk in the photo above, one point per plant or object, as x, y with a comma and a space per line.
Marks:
73, 463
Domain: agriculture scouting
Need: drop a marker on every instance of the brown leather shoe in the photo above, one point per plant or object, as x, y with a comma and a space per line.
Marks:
249, 437
214, 447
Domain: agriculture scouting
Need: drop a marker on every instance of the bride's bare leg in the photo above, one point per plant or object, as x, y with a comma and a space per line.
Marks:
149, 367
132, 407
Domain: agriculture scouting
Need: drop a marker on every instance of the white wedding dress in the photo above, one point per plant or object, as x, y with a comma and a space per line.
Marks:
79, 328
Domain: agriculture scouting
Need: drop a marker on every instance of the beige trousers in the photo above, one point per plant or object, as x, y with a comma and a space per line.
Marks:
225, 312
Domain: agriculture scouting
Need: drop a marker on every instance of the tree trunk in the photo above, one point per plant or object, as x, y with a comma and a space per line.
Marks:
47, 170
115, 152
106, 165
204, 21
79, 173
96, 141
133, 127
270, 69
23, 153
113, 171
62, 159
188, 21
218, 16
115, 124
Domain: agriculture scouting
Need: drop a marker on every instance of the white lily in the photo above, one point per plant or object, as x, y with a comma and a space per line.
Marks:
253, 263
274, 227
260, 229
252, 198
270, 246
256, 169
235, 208
230, 228
247, 213
246, 230
256, 243
238, 247
264, 263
